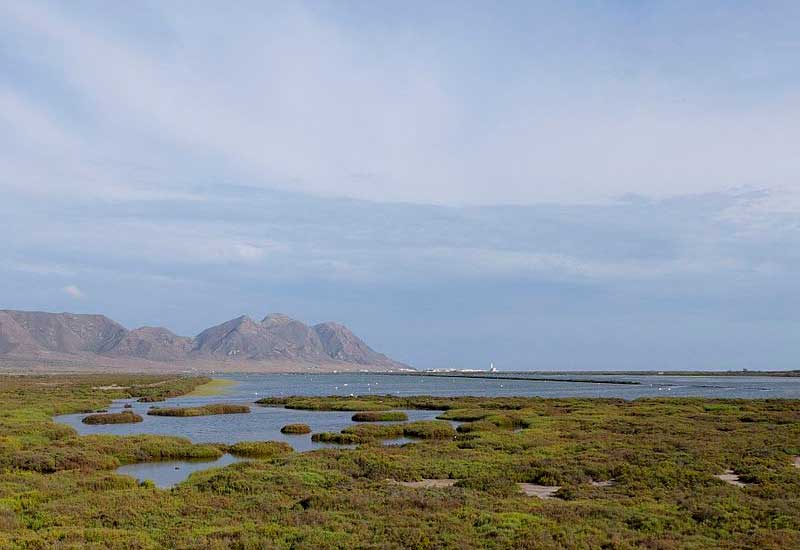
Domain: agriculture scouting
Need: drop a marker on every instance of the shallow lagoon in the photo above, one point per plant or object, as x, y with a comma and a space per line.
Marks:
261, 424
264, 423
255, 386
168, 473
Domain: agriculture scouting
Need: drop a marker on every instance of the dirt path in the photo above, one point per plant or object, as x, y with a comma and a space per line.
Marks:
729, 477
609, 483
539, 491
428, 483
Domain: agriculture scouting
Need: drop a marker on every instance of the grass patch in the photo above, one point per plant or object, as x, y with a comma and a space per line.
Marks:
339, 438
205, 410
380, 416
296, 429
429, 429
375, 431
260, 449
125, 417
217, 386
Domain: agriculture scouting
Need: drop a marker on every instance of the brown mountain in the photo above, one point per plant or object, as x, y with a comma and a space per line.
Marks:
14, 338
240, 343
67, 332
276, 337
153, 343
340, 343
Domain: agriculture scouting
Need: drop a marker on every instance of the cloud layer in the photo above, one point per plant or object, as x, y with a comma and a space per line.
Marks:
702, 281
599, 185
518, 105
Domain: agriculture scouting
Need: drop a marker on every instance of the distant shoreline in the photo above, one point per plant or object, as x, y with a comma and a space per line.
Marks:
783, 373
500, 376
217, 386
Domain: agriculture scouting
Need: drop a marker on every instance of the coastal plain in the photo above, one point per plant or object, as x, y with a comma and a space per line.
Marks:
517, 472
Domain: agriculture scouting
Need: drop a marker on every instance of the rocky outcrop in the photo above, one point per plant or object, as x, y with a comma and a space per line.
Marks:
154, 344
340, 343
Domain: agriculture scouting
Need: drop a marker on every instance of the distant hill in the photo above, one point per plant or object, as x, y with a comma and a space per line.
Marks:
277, 342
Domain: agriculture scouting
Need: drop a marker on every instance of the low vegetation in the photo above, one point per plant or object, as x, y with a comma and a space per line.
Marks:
380, 416
369, 432
364, 433
125, 417
216, 386
260, 449
58, 489
429, 429
338, 438
160, 390
296, 429
205, 410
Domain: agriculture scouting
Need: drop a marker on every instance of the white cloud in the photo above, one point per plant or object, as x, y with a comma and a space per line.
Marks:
74, 292
313, 108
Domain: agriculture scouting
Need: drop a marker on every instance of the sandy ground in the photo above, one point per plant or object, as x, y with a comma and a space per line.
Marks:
88, 363
428, 483
217, 386
540, 491
609, 483
729, 477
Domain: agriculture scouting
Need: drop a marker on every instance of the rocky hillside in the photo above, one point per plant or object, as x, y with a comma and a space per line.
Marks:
276, 338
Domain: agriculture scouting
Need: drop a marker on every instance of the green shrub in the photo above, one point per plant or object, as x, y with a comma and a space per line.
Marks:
165, 388
151, 399
296, 429
476, 426
375, 431
205, 410
125, 417
497, 485
260, 449
429, 429
465, 415
380, 416
339, 438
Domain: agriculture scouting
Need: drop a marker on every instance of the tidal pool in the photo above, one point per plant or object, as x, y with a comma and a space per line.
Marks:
169, 473
261, 424
264, 423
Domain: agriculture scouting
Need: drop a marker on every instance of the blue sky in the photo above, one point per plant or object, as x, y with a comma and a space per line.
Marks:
539, 184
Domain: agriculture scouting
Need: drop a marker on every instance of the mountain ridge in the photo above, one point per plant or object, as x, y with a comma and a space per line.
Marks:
276, 339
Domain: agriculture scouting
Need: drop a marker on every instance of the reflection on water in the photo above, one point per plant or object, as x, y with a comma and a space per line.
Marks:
167, 474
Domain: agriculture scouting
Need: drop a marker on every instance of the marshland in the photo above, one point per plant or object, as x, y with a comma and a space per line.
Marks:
481, 472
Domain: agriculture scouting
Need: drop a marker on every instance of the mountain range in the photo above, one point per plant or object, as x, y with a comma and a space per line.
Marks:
277, 342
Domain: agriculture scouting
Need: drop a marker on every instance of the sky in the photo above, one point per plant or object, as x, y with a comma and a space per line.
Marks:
541, 185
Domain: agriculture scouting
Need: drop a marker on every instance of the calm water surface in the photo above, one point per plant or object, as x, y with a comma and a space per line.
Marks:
168, 473
264, 423
755, 387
